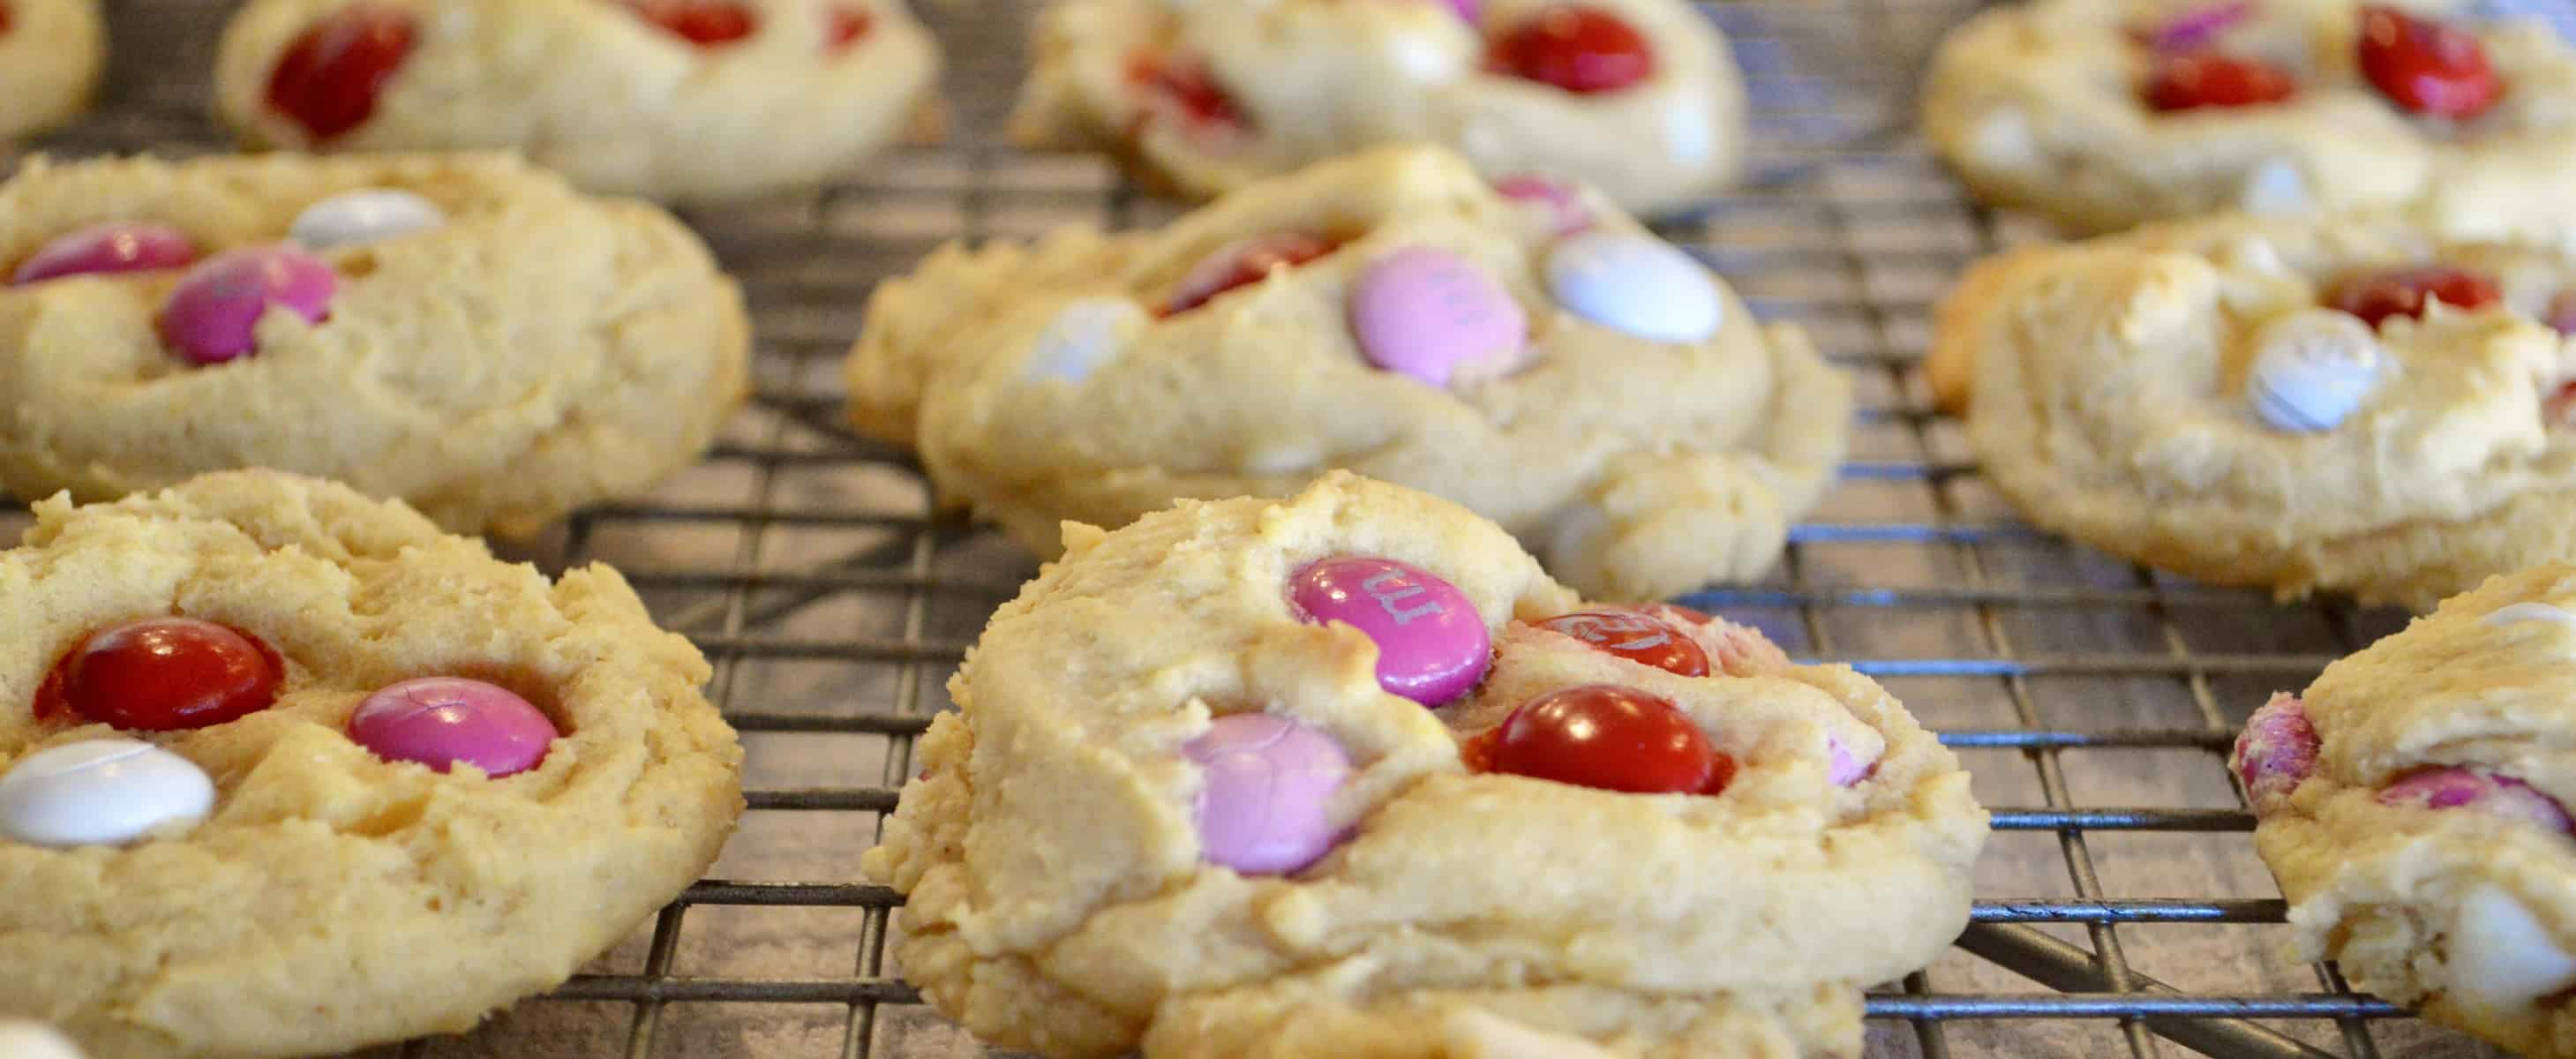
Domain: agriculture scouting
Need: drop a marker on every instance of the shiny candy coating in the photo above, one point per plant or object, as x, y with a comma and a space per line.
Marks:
1184, 87
2312, 370
445, 721
1558, 197
1242, 263
1635, 637
2376, 296
1267, 788
100, 792
108, 247
214, 312
1083, 336
2276, 752
1609, 738
1427, 313
2452, 787
847, 26
1635, 284
2207, 79
365, 216
1583, 50
2194, 28
162, 674
1431, 644
2426, 67
2515, 613
705, 23
329, 78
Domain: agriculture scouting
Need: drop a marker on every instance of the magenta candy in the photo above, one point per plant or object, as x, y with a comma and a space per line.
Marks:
1471, 11
2197, 28
1424, 312
2276, 752
1431, 644
1269, 782
442, 721
112, 246
212, 313
1559, 197
1847, 768
2451, 787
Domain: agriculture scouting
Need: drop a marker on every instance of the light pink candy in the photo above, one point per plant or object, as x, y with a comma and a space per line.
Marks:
1558, 196
1267, 785
213, 312
111, 246
441, 721
1469, 10
1431, 644
2451, 787
2276, 752
1424, 312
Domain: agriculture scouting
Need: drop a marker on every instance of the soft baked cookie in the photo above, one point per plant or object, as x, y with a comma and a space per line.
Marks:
461, 331
2100, 114
286, 771
673, 99
51, 52
2349, 405
1539, 358
1640, 98
2412, 805
1345, 774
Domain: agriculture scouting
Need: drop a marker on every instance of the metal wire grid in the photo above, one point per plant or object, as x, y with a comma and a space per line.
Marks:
2092, 699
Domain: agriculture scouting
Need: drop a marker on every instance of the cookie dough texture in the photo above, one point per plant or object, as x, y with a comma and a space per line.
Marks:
1640, 469
615, 102
2381, 888
50, 58
2036, 105
2106, 398
334, 899
540, 351
1313, 79
1058, 903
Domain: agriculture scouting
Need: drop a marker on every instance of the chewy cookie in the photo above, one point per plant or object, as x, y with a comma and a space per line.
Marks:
2100, 114
1340, 774
2350, 406
1640, 98
1527, 351
284, 770
2412, 804
690, 100
51, 52
460, 331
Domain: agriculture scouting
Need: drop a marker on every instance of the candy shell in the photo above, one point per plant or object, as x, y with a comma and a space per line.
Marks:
2313, 370
1083, 336
100, 792
1432, 645
2514, 613
213, 314
444, 721
1269, 781
110, 247
2500, 955
2452, 787
1430, 314
366, 216
1635, 284
1563, 204
2276, 752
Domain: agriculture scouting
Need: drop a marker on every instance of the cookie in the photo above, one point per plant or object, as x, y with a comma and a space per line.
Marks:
1640, 98
2352, 405
1541, 359
51, 52
2100, 114
286, 771
689, 100
1346, 774
460, 331
2412, 804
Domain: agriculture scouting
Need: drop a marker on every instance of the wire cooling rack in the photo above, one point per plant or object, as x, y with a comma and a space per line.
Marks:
2123, 909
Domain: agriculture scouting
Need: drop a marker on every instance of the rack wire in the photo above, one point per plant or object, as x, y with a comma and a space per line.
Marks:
2124, 912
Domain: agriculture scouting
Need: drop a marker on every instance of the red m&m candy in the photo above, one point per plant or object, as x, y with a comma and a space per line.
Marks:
162, 675
2426, 67
1609, 738
1583, 50
330, 76
1241, 263
445, 721
846, 27
705, 23
2376, 296
1185, 86
1635, 637
2190, 82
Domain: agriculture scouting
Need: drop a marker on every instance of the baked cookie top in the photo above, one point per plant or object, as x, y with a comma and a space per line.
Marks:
2352, 405
51, 52
248, 807
1336, 775
672, 99
2100, 114
461, 331
1528, 351
2411, 803
1640, 98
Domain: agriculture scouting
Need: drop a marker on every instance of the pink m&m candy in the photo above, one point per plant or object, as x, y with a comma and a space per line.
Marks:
2276, 752
212, 313
1262, 808
2451, 787
113, 246
1557, 196
441, 721
1427, 313
1431, 644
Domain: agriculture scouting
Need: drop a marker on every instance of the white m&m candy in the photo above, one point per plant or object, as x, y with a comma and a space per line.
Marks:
100, 792
1085, 334
354, 217
2312, 369
21, 1039
1637, 284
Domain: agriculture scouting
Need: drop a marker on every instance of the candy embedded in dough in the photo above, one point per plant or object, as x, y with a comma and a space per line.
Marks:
2512, 613
1086, 333
2501, 956
2276, 186
2314, 368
